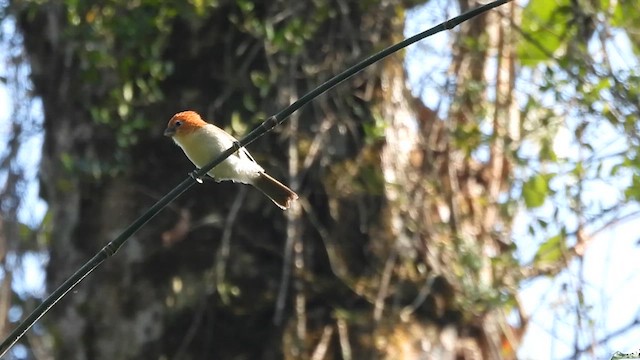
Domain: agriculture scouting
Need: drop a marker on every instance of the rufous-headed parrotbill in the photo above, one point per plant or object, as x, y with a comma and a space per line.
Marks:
202, 142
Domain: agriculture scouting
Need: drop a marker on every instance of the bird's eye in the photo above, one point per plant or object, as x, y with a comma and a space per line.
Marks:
178, 123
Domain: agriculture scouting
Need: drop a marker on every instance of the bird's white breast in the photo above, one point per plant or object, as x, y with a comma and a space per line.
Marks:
203, 145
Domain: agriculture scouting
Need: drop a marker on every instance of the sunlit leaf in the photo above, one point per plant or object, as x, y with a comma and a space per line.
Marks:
535, 190
633, 191
543, 24
237, 124
552, 250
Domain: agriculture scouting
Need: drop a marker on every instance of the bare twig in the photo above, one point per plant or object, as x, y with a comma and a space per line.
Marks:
383, 291
191, 331
610, 336
321, 350
222, 254
343, 335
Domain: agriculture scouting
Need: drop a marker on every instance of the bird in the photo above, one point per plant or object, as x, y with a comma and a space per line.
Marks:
202, 142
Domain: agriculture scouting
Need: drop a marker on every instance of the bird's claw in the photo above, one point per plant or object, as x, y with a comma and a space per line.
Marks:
194, 176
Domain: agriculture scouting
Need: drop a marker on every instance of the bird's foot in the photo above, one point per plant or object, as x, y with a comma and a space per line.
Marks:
194, 176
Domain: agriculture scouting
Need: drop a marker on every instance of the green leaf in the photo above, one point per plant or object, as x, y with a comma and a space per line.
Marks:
237, 124
551, 251
543, 24
535, 190
632, 193
127, 91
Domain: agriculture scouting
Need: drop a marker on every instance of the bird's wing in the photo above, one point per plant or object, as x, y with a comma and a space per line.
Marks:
243, 153
228, 142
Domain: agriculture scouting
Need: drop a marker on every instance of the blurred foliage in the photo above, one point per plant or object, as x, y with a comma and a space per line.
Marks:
544, 23
580, 78
535, 190
121, 49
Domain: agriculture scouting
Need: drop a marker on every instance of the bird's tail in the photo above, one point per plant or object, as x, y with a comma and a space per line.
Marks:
275, 190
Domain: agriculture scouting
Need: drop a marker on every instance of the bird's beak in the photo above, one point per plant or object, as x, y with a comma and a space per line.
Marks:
170, 131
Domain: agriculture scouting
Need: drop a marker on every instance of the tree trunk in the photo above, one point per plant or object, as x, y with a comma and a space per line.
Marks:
444, 205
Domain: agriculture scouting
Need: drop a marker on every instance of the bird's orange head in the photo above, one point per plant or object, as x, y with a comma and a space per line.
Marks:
184, 123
